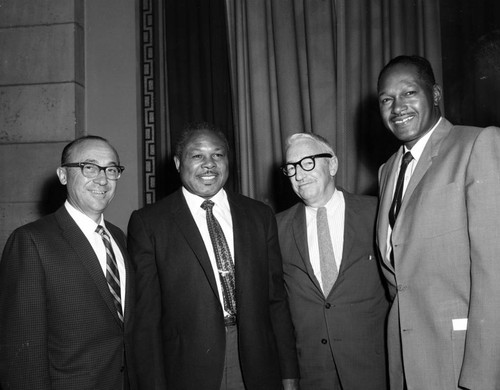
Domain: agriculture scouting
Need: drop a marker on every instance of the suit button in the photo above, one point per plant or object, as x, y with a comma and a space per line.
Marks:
324, 341
122, 368
328, 305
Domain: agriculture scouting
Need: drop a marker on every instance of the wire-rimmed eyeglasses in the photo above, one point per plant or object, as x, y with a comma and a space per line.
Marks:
307, 164
91, 170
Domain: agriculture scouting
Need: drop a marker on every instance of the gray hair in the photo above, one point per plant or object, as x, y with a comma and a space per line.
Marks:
309, 136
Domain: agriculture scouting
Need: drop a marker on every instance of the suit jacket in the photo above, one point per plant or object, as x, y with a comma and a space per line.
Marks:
180, 333
59, 328
447, 269
346, 328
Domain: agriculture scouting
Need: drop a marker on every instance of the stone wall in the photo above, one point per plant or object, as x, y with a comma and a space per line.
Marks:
41, 103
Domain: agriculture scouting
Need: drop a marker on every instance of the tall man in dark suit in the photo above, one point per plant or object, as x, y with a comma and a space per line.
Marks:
439, 238
63, 325
204, 323
336, 295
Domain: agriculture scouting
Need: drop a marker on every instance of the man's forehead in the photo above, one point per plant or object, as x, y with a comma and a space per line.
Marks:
205, 140
93, 150
205, 145
401, 71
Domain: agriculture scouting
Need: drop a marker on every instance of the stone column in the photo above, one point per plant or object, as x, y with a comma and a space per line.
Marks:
41, 103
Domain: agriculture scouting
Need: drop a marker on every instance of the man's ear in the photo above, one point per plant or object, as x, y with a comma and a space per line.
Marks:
177, 163
333, 165
436, 94
62, 175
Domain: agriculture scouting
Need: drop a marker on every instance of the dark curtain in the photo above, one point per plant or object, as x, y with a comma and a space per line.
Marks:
471, 61
312, 66
186, 76
197, 78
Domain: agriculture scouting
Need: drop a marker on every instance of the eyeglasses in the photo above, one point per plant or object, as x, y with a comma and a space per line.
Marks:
307, 164
91, 170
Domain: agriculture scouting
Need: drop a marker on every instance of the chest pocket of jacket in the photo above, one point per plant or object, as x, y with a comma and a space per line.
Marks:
441, 210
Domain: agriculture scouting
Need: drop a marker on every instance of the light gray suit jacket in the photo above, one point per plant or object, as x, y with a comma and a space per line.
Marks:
447, 263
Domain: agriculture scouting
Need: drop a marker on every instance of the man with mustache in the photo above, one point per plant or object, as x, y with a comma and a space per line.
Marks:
212, 311
437, 232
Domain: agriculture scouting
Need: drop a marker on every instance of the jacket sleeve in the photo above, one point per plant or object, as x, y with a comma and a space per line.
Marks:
481, 365
147, 344
280, 311
24, 362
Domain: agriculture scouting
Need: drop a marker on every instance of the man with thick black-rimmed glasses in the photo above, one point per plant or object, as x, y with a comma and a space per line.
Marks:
66, 292
335, 291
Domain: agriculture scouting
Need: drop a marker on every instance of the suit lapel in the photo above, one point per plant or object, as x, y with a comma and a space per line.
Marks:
430, 151
388, 178
387, 182
187, 226
86, 255
299, 228
349, 232
242, 241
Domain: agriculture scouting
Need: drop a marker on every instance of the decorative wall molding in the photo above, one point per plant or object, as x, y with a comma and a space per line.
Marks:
148, 99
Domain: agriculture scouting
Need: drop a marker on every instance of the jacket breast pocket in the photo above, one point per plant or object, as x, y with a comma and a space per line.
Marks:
441, 210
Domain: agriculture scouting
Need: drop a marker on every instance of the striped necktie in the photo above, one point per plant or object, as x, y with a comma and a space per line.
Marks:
112, 274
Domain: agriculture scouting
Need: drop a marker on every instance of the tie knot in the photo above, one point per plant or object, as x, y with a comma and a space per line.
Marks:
207, 205
100, 230
321, 211
407, 158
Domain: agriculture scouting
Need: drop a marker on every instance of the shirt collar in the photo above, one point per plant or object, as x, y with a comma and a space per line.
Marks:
84, 222
332, 203
194, 201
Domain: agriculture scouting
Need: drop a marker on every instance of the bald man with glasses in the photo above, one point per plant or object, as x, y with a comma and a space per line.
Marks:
335, 291
66, 289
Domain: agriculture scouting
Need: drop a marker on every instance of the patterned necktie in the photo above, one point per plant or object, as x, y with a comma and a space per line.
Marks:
223, 258
328, 265
112, 274
398, 193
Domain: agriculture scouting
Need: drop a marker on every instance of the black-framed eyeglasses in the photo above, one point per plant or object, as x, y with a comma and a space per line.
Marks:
91, 170
307, 164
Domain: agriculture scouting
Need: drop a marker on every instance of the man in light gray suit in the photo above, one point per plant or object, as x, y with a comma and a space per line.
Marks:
439, 242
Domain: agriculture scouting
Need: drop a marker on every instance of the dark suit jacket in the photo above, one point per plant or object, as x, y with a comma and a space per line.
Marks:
58, 325
348, 326
443, 327
180, 335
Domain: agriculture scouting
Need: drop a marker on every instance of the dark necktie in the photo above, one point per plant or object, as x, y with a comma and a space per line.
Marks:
398, 193
112, 274
328, 265
223, 258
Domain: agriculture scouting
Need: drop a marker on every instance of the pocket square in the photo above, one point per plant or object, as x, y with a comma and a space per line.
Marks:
459, 324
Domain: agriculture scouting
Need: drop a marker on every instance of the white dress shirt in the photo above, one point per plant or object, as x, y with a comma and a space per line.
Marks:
222, 213
335, 210
88, 227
